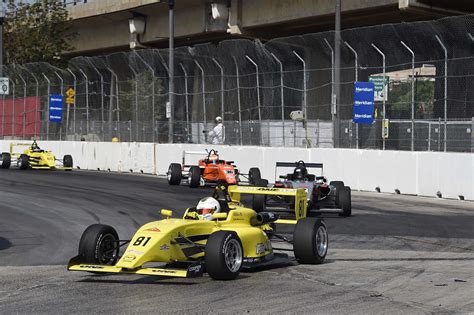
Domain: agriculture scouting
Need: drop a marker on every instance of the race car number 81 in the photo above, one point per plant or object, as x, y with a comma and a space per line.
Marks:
139, 241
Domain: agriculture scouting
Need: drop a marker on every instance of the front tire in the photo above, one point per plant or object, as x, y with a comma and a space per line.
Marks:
194, 176
223, 255
345, 201
174, 174
254, 176
6, 160
310, 241
99, 244
24, 162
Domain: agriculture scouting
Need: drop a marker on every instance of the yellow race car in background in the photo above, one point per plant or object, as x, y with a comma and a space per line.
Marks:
237, 237
34, 157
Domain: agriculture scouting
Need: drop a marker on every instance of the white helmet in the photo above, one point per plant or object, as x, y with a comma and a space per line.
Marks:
218, 119
208, 206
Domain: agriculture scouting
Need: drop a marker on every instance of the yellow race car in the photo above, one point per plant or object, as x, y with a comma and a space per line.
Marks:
34, 157
220, 236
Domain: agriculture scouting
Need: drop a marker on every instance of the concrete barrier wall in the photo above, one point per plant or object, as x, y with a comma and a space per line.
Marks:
417, 173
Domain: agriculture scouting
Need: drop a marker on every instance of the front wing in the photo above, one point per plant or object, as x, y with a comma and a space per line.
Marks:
192, 271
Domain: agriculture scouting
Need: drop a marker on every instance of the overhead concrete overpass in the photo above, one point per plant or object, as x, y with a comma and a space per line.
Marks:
102, 25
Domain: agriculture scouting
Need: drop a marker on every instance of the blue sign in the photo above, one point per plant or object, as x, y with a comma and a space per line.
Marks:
56, 107
363, 103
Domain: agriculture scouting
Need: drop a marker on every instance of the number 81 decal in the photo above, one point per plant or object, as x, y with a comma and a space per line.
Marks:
140, 240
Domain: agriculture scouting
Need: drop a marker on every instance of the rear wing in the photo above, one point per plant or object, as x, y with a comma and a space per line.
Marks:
299, 194
294, 164
12, 145
200, 153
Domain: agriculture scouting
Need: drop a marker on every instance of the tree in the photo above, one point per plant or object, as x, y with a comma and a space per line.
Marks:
37, 32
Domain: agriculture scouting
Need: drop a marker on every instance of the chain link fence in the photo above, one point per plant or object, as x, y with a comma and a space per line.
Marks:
255, 86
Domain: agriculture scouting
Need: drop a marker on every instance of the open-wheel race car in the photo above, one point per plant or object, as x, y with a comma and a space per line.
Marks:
219, 236
210, 170
321, 195
35, 158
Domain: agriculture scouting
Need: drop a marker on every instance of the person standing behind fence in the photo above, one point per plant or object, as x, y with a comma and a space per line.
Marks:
217, 133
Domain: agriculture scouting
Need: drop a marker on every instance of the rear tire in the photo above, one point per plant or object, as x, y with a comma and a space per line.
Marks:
338, 185
99, 244
194, 176
67, 161
310, 241
174, 174
6, 160
24, 161
223, 255
254, 176
345, 201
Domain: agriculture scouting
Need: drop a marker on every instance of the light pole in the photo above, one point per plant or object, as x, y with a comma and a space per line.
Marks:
2, 20
412, 94
171, 69
337, 74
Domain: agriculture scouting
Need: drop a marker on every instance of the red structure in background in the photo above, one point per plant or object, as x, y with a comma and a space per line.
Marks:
20, 117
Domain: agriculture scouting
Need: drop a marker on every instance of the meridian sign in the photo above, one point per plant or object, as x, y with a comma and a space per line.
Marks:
56, 107
363, 103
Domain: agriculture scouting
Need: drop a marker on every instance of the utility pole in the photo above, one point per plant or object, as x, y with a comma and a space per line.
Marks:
2, 20
337, 75
171, 70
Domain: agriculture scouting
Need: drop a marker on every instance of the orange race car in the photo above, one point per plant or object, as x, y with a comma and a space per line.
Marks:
210, 170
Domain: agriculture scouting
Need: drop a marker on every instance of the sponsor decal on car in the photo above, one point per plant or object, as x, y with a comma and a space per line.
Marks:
164, 247
153, 229
91, 267
129, 258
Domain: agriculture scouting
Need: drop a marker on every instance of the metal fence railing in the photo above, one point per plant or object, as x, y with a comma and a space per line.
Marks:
255, 87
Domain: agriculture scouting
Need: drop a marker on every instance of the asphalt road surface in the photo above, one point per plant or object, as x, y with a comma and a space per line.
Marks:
396, 254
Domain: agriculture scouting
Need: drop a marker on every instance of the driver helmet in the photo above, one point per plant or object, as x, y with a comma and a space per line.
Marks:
300, 172
207, 207
213, 157
218, 119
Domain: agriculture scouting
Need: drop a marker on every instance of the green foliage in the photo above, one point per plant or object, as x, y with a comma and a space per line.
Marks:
37, 32
400, 97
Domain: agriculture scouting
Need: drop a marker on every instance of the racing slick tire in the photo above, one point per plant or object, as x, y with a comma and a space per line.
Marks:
6, 160
258, 203
194, 176
310, 241
345, 202
24, 162
254, 176
174, 174
67, 161
99, 244
338, 184
223, 255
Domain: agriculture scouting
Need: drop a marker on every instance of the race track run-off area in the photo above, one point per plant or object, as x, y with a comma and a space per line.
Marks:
396, 254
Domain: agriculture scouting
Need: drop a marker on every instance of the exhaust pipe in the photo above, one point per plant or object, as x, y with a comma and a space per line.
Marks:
263, 218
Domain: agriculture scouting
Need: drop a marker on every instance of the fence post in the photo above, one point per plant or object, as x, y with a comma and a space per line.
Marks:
136, 104
445, 89
152, 93
238, 99
36, 100
304, 106
188, 126
222, 88
87, 100
117, 101
412, 95
101, 97
74, 106
383, 101
24, 103
356, 68
281, 96
332, 81
47, 105
203, 87
62, 89
258, 89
